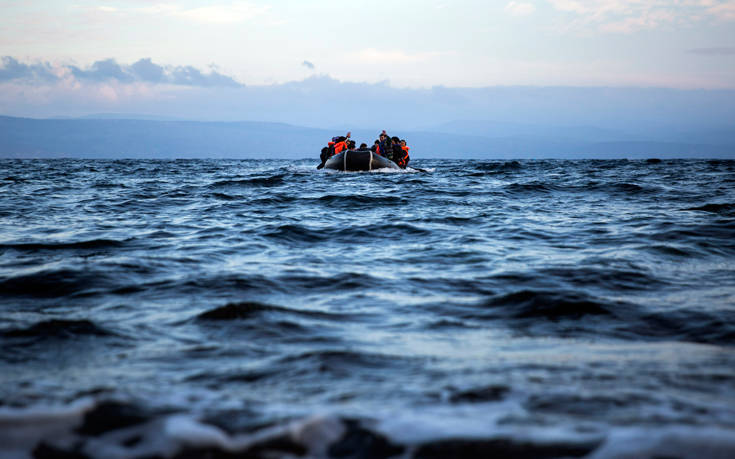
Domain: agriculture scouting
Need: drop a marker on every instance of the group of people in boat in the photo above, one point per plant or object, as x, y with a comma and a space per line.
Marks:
392, 148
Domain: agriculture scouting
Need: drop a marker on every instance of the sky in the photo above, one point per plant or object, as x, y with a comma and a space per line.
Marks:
114, 51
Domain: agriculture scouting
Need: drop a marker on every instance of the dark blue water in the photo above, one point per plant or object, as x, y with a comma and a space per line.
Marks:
545, 308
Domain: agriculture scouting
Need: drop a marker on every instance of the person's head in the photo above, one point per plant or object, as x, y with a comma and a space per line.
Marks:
351, 144
395, 139
382, 137
403, 142
363, 145
341, 138
377, 142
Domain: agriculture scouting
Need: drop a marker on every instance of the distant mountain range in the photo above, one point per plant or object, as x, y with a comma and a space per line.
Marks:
111, 136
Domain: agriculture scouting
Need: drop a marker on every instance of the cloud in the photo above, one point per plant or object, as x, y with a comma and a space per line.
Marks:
109, 70
217, 14
519, 9
190, 76
308, 65
714, 51
146, 70
221, 14
627, 16
722, 10
105, 70
12, 69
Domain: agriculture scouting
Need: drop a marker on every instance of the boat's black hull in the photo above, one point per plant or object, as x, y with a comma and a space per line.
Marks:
359, 161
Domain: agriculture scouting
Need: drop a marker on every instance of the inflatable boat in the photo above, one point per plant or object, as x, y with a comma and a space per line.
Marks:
359, 160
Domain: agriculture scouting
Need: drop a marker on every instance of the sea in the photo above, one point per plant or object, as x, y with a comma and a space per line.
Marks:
464, 309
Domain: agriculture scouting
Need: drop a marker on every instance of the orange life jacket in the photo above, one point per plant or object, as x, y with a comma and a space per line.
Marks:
339, 146
403, 160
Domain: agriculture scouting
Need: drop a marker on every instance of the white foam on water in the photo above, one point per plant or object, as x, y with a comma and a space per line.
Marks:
188, 431
21, 429
413, 430
317, 433
675, 441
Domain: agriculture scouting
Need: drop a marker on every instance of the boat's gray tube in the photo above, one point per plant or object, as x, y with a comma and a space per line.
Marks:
359, 160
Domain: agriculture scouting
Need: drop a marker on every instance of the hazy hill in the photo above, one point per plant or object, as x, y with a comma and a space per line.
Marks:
138, 138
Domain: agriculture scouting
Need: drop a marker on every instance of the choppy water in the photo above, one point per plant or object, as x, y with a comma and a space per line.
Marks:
545, 308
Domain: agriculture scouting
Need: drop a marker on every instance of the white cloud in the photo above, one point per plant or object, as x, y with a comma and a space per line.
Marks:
722, 10
519, 9
627, 16
217, 14
222, 14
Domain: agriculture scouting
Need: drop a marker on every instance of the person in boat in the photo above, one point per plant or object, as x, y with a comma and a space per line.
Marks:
404, 158
351, 145
337, 144
385, 146
376, 147
363, 147
400, 155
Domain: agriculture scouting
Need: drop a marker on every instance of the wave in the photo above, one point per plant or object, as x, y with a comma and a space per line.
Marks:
614, 188
534, 187
565, 313
58, 329
274, 180
230, 283
110, 415
251, 309
625, 188
480, 448
727, 209
109, 185
271, 200
350, 234
54, 283
298, 233
267, 322
716, 327
714, 237
344, 362
493, 393
98, 429
551, 305
361, 201
14, 179
226, 197
38, 246
494, 166
634, 278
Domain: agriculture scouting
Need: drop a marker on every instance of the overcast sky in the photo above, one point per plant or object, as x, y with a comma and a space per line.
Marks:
410, 43
284, 59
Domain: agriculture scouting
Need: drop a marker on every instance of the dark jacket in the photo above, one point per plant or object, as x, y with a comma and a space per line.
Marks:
400, 156
386, 149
